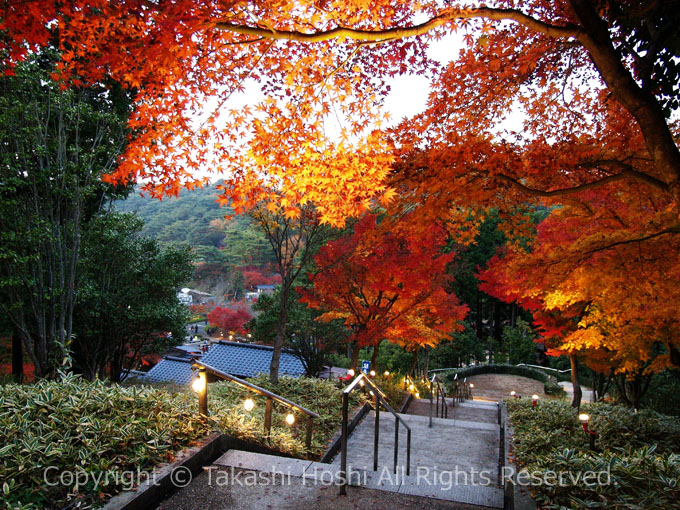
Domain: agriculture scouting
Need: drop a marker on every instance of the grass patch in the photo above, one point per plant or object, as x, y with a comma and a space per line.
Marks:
640, 451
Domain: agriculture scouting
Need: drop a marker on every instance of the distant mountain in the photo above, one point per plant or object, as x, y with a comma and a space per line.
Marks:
195, 218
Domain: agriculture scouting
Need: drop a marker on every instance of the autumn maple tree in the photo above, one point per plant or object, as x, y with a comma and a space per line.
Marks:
592, 87
386, 285
230, 318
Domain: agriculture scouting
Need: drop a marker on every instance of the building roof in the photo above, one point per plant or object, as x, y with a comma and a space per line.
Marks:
248, 360
171, 369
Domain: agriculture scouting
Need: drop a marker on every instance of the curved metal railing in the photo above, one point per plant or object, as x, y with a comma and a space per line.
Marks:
378, 398
438, 391
203, 398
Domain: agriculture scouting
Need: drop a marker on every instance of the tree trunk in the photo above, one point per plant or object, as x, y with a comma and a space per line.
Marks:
497, 330
413, 363
280, 335
632, 390
355, 356
578, 394
513, 314
675, 355
478, 323
426, 364
17, 358
374, 357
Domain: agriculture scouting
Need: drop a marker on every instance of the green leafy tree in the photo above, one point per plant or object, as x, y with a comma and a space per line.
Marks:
294, 236
519, 343
127, 305
313, 341
54, 146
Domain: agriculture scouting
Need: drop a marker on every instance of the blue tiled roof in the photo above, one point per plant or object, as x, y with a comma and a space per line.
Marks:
248, 360
171, 369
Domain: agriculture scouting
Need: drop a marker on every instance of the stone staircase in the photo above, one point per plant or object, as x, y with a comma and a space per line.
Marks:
455, 460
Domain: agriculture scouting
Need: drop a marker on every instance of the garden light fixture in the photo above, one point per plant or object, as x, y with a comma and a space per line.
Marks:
199, 384
248, 404
290, 418
585, 419
534, 400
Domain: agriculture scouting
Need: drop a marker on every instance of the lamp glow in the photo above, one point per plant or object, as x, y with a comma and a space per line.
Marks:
290, 418
417, 395
372, 373
199, 384
248, 404
361, 382
513, 393
534, 400
350, 372
472, 385
386, 373
584, 418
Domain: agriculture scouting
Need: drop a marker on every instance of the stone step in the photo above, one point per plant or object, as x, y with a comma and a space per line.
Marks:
419, 421
478, 404
423, 481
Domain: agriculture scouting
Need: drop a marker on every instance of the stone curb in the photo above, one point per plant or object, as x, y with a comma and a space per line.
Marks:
169, 477
334, 447
190, 462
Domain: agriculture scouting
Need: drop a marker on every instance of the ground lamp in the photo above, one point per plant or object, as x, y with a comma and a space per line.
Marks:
248, 404
514, 394
584, 419
534, 400
387, 373
290, 418
372, 373
200, 386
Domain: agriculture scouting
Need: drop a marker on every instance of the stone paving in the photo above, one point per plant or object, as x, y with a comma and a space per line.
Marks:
454, 464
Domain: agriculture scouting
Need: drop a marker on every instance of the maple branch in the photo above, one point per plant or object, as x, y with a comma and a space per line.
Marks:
627, 171
670, 230
403, 32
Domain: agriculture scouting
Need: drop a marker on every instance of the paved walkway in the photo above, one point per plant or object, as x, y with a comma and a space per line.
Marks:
587, 393
454, 465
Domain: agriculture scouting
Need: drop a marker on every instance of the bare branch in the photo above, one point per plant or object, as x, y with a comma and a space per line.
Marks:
402, 32
627, 172
670, 230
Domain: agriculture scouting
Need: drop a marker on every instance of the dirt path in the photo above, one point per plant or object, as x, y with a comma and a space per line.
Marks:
499, 386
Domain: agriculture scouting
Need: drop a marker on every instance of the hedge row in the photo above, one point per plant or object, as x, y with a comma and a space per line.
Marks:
550, 385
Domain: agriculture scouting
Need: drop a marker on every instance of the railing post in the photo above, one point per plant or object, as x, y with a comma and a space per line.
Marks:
268, 416
376, 434
343, 445
203, 394
308, 437
431, 404
396, 444
408, 452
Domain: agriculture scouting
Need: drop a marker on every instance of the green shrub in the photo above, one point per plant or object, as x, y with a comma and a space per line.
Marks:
639, 451
98, 428
551, 387
497, 368
663, 394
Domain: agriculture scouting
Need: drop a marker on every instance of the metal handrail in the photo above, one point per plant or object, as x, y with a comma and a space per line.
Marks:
203, 399
439, 390
378, 397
